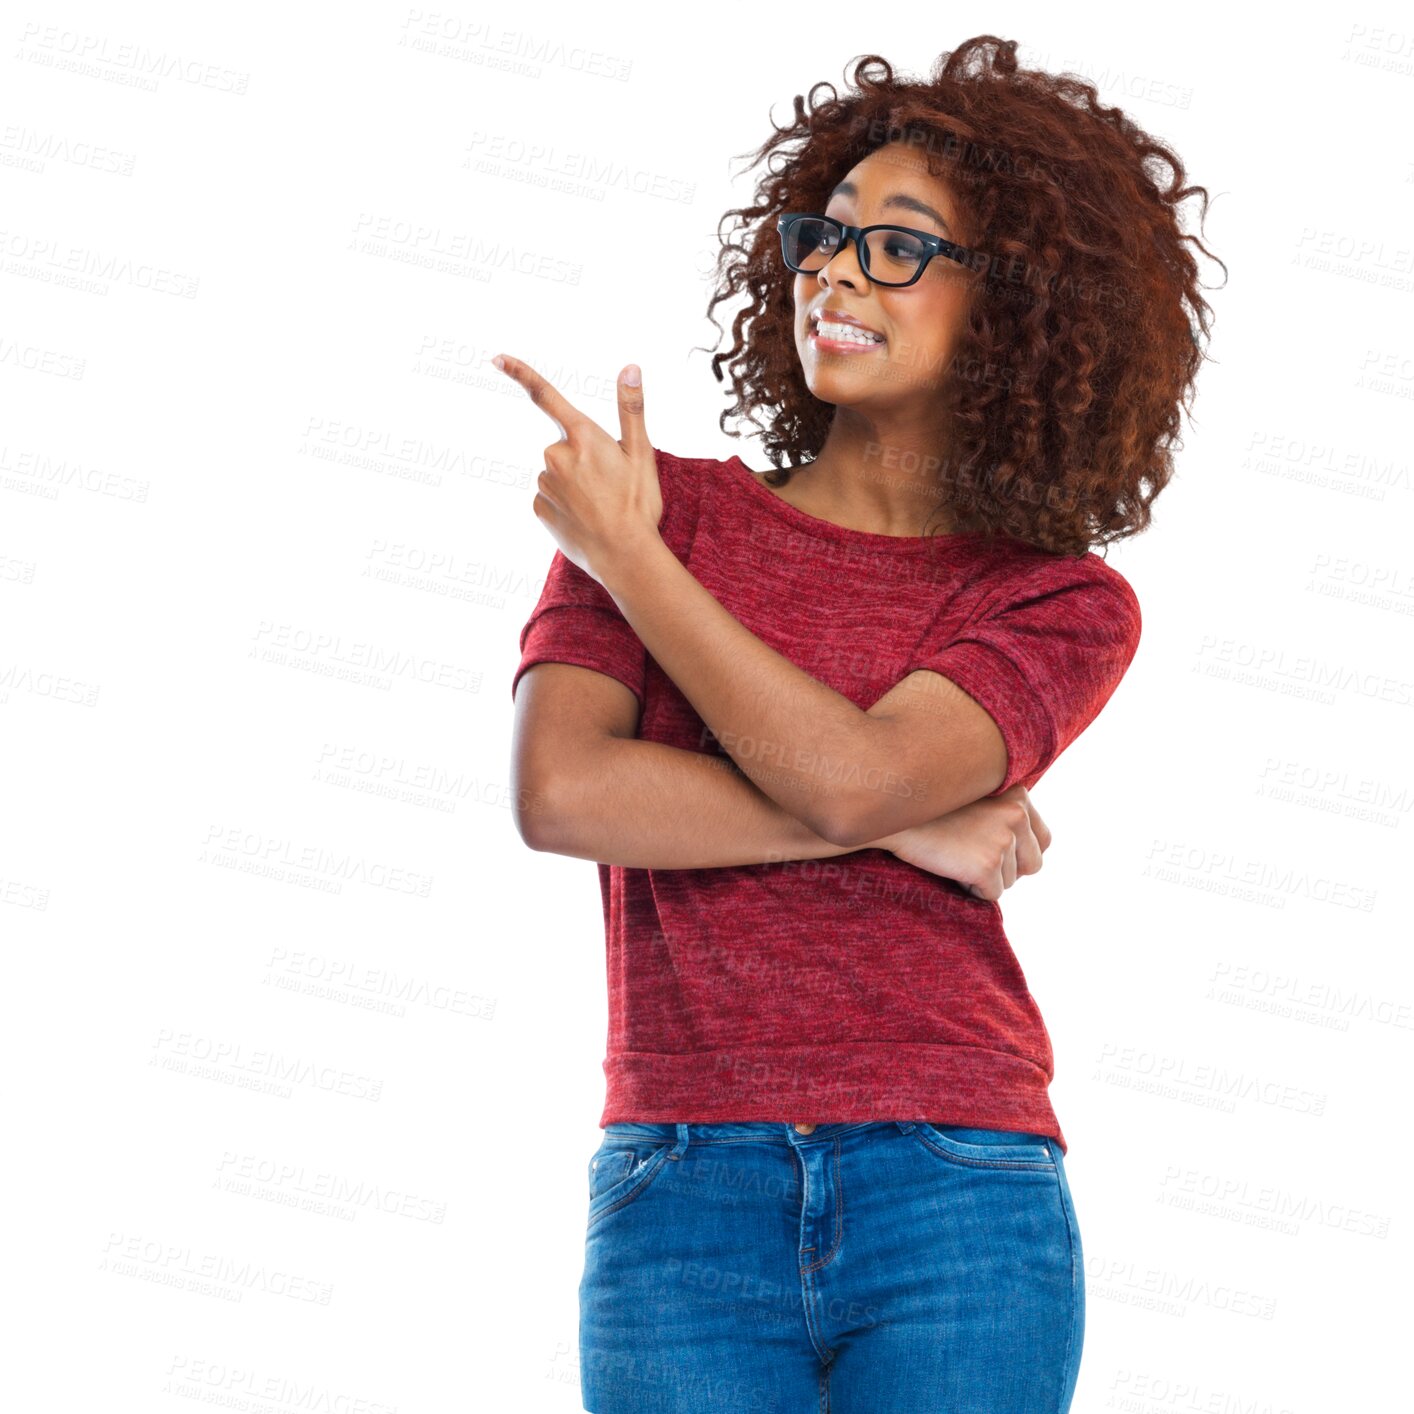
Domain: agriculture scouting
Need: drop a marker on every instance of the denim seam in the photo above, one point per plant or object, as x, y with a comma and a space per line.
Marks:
839, 1218
1074, 1304
807, 1283
811, 1327
596, 1178
1034, 1165
765, 1137
653, 1167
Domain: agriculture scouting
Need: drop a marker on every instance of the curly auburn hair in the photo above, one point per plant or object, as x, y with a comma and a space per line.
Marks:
1063, 399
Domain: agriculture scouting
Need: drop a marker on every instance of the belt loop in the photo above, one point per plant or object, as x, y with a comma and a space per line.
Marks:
906, 1126
681, 1146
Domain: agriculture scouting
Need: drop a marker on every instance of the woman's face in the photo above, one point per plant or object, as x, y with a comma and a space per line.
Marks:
921, 324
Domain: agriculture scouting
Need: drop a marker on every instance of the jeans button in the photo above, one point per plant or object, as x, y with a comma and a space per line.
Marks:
805, 1129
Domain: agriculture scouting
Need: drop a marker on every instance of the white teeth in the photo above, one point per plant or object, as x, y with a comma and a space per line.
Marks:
828, 329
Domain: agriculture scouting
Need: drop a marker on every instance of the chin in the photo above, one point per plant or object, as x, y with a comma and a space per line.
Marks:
840, 386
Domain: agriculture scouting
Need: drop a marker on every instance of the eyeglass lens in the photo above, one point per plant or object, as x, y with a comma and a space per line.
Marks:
891, 256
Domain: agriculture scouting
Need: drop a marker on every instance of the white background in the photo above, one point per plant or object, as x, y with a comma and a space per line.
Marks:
304, 1044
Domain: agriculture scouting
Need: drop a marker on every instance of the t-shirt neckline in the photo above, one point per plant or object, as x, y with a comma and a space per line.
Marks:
844, 534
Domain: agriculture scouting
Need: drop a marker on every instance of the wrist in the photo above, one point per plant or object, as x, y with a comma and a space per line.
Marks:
630, 562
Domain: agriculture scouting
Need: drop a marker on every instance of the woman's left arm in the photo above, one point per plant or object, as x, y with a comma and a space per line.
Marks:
850, 775
971, 719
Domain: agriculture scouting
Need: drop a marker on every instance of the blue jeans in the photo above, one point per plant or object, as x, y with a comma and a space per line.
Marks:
876, 1267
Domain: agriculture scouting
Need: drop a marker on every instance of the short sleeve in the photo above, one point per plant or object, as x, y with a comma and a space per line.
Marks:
576, 620
1044, 659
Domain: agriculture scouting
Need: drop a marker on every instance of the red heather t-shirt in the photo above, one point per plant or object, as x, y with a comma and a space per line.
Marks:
857, 987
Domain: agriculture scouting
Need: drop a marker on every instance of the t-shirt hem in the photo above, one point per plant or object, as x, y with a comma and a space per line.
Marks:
584, 637
952, 1084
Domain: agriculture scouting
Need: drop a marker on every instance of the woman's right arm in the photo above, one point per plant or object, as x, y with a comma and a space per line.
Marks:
585, 786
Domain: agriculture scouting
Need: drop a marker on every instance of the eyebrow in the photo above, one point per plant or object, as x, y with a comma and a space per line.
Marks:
909, 203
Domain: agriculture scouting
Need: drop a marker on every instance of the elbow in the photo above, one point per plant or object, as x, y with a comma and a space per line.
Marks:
538, 817
856, 815
844, 823
857, 821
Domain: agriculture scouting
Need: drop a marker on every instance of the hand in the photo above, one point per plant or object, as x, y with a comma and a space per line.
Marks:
985, 846
597, 497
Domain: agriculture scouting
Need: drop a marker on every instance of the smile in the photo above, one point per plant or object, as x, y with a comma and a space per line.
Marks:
834, 337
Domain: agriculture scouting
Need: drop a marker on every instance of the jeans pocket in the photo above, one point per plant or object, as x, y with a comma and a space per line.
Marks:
622, 1168
986, 1148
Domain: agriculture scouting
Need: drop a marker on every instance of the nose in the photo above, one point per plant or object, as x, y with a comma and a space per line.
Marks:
850, 273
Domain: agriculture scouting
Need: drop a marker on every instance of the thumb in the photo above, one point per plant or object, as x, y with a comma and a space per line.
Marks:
633, 432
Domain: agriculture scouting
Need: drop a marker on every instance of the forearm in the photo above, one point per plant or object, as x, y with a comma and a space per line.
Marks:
645, 805
808, 747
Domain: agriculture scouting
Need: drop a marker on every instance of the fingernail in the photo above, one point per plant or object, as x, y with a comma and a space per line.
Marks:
633, 375
499, 362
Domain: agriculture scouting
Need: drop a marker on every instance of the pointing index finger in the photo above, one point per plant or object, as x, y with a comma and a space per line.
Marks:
542, 392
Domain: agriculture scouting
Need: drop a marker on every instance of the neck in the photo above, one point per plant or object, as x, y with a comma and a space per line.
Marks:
877, 480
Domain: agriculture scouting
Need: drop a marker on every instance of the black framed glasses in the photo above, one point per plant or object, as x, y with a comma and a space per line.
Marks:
888, 255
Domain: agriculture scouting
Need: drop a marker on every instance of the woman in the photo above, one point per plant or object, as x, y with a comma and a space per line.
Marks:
796, 730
